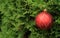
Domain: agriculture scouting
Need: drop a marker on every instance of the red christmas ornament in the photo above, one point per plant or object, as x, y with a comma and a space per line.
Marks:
44, 20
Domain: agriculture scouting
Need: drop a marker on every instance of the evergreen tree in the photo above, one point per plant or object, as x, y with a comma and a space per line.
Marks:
17, 18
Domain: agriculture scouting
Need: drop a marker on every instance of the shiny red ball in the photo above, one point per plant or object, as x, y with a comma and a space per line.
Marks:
44, 20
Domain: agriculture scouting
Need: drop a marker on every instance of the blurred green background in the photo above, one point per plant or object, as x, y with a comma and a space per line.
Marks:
17, 18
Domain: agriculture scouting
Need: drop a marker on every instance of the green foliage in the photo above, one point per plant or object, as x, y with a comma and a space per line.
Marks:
18, 16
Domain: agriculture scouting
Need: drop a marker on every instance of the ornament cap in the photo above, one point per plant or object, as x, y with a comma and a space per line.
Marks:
45, 10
